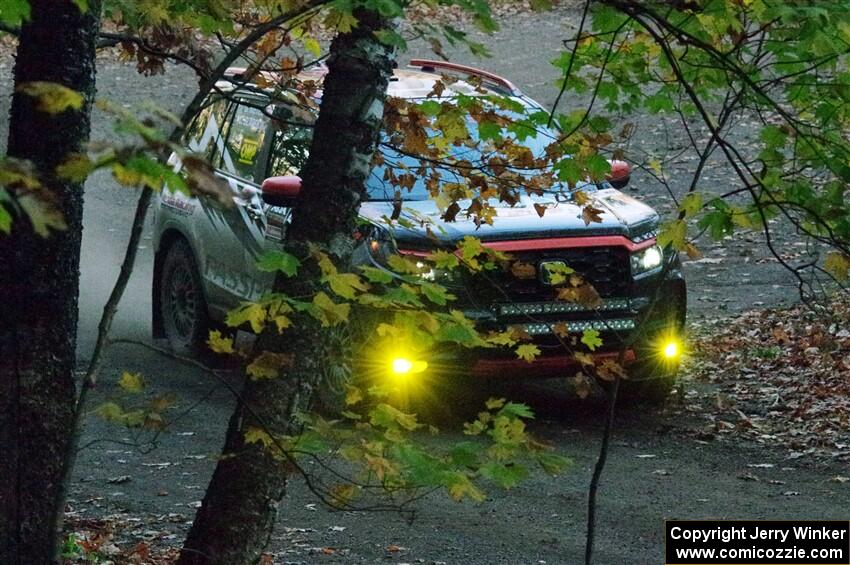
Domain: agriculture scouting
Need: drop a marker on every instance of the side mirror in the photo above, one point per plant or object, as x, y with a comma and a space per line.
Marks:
281, 191
620, 174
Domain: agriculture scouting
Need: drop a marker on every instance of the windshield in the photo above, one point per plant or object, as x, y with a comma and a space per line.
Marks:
380, 189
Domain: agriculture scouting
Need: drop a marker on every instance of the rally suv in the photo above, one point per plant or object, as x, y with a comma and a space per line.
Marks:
206, 252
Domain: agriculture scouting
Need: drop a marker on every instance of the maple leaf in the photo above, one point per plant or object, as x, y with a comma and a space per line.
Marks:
583, 385
522, 270
219, 343
591, 339
267, 365
527, 352
561, 330
131, 382
590, 214
838, 265
610, 370
53, 98
328, 312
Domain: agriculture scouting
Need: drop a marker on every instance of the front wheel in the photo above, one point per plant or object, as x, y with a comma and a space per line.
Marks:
185, 319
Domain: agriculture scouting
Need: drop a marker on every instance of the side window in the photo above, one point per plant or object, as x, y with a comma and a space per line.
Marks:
289, 150
245, 134
205, 132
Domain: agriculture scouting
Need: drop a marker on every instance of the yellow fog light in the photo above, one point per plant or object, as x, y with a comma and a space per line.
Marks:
672, 349
404, 366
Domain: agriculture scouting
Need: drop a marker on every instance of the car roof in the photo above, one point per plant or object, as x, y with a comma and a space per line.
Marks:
415, 82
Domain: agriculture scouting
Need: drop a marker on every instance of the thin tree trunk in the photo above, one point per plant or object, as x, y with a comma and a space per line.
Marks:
235, 522
39, 283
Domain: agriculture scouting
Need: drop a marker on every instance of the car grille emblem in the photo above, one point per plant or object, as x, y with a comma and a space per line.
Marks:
545, 270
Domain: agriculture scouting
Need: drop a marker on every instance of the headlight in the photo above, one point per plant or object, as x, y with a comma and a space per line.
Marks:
380, 244
647, 260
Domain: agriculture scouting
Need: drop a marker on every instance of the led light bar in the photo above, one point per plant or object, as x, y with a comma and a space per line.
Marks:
531, 308
578, 326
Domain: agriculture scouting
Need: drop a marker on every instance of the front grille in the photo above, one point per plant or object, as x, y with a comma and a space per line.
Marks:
606, 268
501, 300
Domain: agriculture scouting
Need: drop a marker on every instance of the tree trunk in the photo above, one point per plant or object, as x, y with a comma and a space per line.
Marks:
236, 519
39, 282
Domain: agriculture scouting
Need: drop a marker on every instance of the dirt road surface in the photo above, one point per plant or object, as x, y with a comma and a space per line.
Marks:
656, 469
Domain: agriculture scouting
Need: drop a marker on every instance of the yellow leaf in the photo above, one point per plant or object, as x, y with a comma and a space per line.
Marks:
494, 403
248, 312
673, 234
219, 343
258, 435
328, 312
353, 395
75, 168
837, 264
132, 382
126, 176
461, 487
527, 352
110, 412
43, 215
346, 284
53, 98
267, 365
501, 338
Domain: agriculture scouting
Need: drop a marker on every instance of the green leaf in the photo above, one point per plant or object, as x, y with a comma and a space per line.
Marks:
517, 410
505, 475
386, 416
13, 12
376, 275
53, 98
673, 234
552, 463
436, 293
591, 339
391, 38
5, 220
274, 260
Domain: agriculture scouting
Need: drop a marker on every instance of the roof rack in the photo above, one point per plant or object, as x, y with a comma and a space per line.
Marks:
433, 66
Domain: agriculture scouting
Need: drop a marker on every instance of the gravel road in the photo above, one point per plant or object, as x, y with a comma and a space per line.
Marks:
654, 470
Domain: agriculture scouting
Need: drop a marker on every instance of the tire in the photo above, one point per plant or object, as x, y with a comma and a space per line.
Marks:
183, 308
652, 378
648, 386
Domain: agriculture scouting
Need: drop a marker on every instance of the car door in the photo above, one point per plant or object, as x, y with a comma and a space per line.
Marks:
233, 233
286, 154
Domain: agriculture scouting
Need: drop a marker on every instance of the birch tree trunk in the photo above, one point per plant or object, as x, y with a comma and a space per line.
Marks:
239, 510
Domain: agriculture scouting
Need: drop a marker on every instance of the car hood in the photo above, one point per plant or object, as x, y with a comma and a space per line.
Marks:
621, 215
